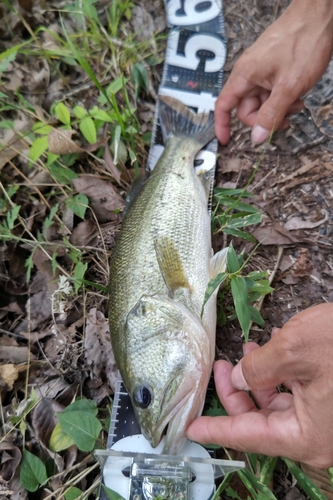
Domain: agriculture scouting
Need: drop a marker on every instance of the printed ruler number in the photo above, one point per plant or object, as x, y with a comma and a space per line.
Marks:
196, 42
193, 12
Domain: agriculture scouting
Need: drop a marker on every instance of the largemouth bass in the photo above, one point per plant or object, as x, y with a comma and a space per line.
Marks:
159, 272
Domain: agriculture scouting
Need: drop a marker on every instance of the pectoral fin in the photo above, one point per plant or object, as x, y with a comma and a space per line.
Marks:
219, 262
170, 263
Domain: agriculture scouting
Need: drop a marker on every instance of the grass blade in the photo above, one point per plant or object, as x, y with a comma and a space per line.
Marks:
304, 481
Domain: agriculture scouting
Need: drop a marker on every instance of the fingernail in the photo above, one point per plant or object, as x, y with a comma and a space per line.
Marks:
259, 134
237, 378
275, 331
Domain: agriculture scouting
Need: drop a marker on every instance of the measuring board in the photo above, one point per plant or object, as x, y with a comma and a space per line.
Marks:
193, 74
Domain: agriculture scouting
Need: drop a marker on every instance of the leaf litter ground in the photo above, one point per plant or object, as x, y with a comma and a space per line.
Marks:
60, 339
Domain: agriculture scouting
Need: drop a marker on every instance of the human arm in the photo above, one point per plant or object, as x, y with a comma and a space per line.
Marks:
296, 425
283, 64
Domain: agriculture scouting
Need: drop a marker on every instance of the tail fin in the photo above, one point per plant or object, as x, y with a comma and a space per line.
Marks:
179, 121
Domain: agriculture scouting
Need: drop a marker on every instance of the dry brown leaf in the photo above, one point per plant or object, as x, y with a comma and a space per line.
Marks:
98, 351
269, 235
233, 165
300, 171
303, 264
11, 142
298, 223
103, 197
9, 374
15, 355
110, 166
61, 143
44, 419
10, 459
285, 263
26, 5
84, 234
18, 492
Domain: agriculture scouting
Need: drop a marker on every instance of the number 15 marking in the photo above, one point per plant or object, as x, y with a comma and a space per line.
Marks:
196, 42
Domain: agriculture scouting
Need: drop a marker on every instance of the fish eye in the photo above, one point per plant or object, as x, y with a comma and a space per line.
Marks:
142, 396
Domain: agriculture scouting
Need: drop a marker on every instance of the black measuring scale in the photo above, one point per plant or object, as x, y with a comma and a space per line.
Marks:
193, 73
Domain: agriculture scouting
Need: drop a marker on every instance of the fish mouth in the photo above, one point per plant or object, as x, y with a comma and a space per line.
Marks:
169, 426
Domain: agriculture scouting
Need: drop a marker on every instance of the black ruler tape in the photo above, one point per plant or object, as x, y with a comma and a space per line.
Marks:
193, 74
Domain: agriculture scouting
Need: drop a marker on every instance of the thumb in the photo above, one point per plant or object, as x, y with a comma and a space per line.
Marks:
271, 113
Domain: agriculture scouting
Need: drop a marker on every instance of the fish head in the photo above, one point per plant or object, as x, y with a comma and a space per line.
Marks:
167, 370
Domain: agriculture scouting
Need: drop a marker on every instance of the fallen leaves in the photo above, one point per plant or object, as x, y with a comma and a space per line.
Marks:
297, 223
104, 198
99, 355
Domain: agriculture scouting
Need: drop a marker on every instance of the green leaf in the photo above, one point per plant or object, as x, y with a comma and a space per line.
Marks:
253, 484
83, 427
267, 466
100, 114
49, 220
239, 294
6, 124
112, 495
62, 174
226, 192
32, 471
239, 234
79, 272
41, 128
73, 493
38, 147
213, 284
260, 286
86, 405
79, 112
243, 207
88, 130
232, 259
12, 216
139, 78
115, 86
256, 316
62, 113
232, 493
116, 144
248, 220
304, 481
78, 204
60, 440
257, 275
29, 265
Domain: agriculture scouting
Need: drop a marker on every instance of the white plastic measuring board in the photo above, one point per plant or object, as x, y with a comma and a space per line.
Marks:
193, 72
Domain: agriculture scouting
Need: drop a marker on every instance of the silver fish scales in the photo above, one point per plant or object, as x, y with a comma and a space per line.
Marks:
159, 273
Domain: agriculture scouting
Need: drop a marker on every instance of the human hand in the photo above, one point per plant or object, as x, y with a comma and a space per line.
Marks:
297, 425
284, 63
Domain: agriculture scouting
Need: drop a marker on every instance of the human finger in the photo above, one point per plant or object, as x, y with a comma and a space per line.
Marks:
234, 90
271, 398
233, 400
272, 434
271, 113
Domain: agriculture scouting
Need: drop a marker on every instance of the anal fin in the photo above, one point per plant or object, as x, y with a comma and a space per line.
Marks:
219, 262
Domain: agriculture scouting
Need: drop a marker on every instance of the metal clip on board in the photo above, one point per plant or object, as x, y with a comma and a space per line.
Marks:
193, 72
